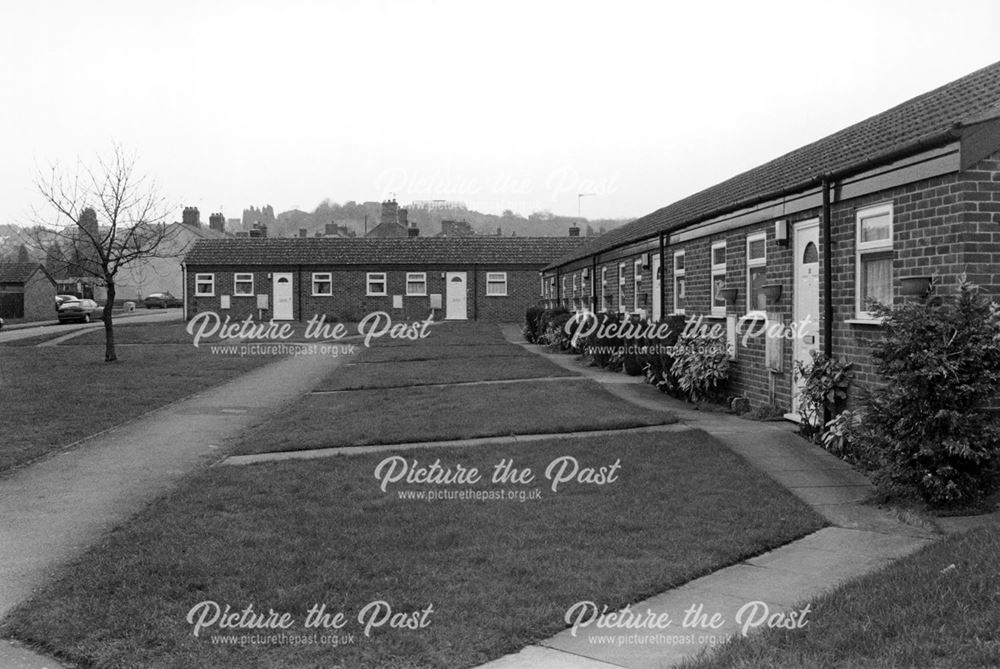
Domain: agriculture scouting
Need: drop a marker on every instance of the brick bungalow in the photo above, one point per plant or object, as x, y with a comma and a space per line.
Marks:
873, 211
26, 291
477, 278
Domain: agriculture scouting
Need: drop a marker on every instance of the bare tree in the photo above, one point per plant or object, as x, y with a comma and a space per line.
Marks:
100, 219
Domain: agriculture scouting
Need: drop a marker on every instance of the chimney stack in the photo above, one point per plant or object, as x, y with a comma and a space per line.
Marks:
413, 231
574, 231
191, 217
303, 232
390, 212
217, 222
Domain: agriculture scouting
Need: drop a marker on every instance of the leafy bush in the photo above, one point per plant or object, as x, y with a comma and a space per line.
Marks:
824, 390
701, 366
657, 364
929, 431
531, 329
552, 324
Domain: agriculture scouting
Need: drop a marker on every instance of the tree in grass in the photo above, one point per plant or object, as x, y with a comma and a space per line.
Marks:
98, 220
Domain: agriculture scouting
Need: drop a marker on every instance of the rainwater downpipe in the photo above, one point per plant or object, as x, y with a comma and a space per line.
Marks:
827, 281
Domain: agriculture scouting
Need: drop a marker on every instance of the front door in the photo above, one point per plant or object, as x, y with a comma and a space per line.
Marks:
657, 314
805, 303
283, 305
455, 296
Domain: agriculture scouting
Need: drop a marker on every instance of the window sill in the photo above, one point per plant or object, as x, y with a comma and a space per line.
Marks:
321, 295
204, 294
753, 317
497, 295
376, 294
244, 295
873, 322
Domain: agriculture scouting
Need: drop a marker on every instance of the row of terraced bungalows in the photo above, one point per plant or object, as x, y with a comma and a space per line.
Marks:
476, 278
801, 244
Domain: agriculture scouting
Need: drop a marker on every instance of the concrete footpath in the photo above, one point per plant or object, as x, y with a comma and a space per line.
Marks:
860, 539
53, 510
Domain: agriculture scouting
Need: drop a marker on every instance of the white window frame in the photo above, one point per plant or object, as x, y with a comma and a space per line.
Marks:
200, 279
241, 279
679, 273
318, 277
563, 300
416, 277
373, 277
862, 249
621, 288
754, 264
718, 269
636, 283
495, 278
604, 289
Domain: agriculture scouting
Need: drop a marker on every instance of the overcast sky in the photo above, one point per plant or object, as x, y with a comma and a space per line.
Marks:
501, 105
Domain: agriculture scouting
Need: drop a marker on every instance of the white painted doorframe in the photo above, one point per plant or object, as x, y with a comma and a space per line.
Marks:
805, 299
456, 296
283, 289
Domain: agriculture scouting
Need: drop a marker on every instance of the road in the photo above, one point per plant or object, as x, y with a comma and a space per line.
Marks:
56, 329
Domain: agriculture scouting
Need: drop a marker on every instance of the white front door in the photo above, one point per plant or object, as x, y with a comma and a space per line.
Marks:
283, 291
805, 302
657, 314
455, 296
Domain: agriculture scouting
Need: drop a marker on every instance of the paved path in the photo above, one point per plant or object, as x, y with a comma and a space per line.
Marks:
861, 539
51, 511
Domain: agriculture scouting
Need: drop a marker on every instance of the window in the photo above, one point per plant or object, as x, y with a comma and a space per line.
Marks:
496, 284
718, 278
680, 283
756, 273
416, 283
322, 283
621, 287
874, 258
376, 284
562, 296
204, 285
636, 281
243, 284
604, 289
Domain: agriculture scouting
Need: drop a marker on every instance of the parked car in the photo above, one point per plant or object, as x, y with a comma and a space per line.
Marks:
63, 298
162, 301
78, 309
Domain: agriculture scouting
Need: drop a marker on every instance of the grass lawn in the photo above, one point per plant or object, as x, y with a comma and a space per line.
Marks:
422, 372
56, 395
907, 615
139, 333
396, 415
428, 350
499, 574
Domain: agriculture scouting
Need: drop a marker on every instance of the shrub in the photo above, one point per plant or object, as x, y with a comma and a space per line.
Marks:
823, 393
701, 366
929, 431
531, 329
552, 326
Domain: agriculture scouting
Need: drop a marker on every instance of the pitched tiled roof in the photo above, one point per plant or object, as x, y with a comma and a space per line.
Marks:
18, 272
926, 118
371, 251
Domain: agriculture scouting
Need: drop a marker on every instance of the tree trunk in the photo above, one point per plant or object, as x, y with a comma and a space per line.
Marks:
109, 331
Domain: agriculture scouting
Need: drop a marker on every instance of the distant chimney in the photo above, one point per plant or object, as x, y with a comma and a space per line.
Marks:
499, 232
574, 231
259, 230
331, 229
303, 232
217, 222
402, 217
390, 212
413, 232
191, 217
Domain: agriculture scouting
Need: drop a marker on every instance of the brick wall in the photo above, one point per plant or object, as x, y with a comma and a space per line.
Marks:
351, 302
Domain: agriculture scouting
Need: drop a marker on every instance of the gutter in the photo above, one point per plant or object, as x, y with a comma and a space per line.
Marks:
911, 148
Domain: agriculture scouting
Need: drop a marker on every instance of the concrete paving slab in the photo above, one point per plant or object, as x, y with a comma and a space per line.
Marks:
855, 543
